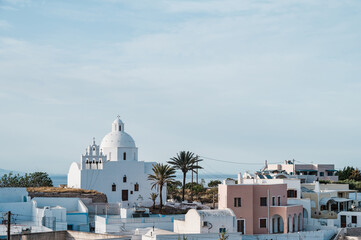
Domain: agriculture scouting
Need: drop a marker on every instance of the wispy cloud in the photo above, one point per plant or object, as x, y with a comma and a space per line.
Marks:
4, 24
255, 80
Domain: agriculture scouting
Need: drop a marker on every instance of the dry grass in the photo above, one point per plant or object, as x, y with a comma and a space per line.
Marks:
62, 190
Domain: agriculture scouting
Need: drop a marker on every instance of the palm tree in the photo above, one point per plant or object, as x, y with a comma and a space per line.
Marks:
185, 161
162, 174
153, 196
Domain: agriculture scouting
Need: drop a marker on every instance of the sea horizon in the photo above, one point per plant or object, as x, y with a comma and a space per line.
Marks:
59, 179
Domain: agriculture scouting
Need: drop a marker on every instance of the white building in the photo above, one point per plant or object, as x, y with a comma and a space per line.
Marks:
113, 169
206, 221
61, 213
41, 214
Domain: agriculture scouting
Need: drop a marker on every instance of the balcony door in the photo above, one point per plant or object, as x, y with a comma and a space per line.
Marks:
241, 226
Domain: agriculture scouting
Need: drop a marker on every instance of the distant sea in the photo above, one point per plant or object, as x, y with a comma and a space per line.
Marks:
62, 179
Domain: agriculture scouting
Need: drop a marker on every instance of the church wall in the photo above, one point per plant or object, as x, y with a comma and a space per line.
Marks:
113, 172
74, 176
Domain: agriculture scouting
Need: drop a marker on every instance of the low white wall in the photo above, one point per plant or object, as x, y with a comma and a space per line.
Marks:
13, 194
112, 224
22, 209
314, 235
71, 204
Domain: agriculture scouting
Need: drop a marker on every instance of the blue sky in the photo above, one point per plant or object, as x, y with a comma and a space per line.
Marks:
234, 80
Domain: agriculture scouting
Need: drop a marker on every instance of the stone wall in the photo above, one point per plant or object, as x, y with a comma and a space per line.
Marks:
96, 198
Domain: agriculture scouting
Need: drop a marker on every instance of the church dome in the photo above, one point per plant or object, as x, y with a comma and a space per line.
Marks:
117, 137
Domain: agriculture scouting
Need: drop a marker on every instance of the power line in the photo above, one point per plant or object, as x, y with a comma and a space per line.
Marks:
226, 161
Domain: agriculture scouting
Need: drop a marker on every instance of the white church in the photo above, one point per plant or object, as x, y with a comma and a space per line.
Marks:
113, 169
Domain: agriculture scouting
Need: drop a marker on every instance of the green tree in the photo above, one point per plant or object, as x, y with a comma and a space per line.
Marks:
355, 175
40, 179
214, 183
223, 236
185, 161
153, 196
345, 173
11, 180
36, 179
172, 189
162, 174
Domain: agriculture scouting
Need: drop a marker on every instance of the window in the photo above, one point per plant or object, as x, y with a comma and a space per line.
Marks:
273, 201
329, 173
114, 187
263, 201
136, 187
124, 156
263, 223
120, 128
237, 202
125, 178
222, 230
279, 201
131, 192
70, 227
292, 193
322, 174
354, 219
110, 156
124, 195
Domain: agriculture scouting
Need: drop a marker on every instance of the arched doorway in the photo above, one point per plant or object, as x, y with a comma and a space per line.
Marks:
294, 223
300, 227
305, 216
289, 223
277, 225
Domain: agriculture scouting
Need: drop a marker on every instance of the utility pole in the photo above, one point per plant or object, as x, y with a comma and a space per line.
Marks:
9, 219
192, 185
197, 174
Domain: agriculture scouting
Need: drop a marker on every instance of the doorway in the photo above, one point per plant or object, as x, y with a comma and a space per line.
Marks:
241, 226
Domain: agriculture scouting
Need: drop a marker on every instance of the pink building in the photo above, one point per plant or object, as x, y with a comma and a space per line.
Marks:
260, 208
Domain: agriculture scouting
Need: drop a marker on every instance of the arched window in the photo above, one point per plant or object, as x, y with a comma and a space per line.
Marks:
100, 160
87, 161
125, 178
124, 156
114, 187
120, 128
94, 149
136, 187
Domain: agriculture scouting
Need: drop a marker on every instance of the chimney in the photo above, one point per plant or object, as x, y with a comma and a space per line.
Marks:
239, 178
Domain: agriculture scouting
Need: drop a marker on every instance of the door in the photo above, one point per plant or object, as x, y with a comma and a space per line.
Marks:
343, 221
240, 226
124, 195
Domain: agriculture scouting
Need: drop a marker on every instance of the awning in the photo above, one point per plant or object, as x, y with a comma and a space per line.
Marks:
341, 199
324, 201
306, 170
332, 170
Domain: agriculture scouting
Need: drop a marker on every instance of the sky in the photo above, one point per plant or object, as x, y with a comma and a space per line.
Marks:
240, 81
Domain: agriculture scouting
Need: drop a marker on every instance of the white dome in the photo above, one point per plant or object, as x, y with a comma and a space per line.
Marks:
117, 139
118, 121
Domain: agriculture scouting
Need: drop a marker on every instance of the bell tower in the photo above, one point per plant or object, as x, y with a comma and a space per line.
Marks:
118, 125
